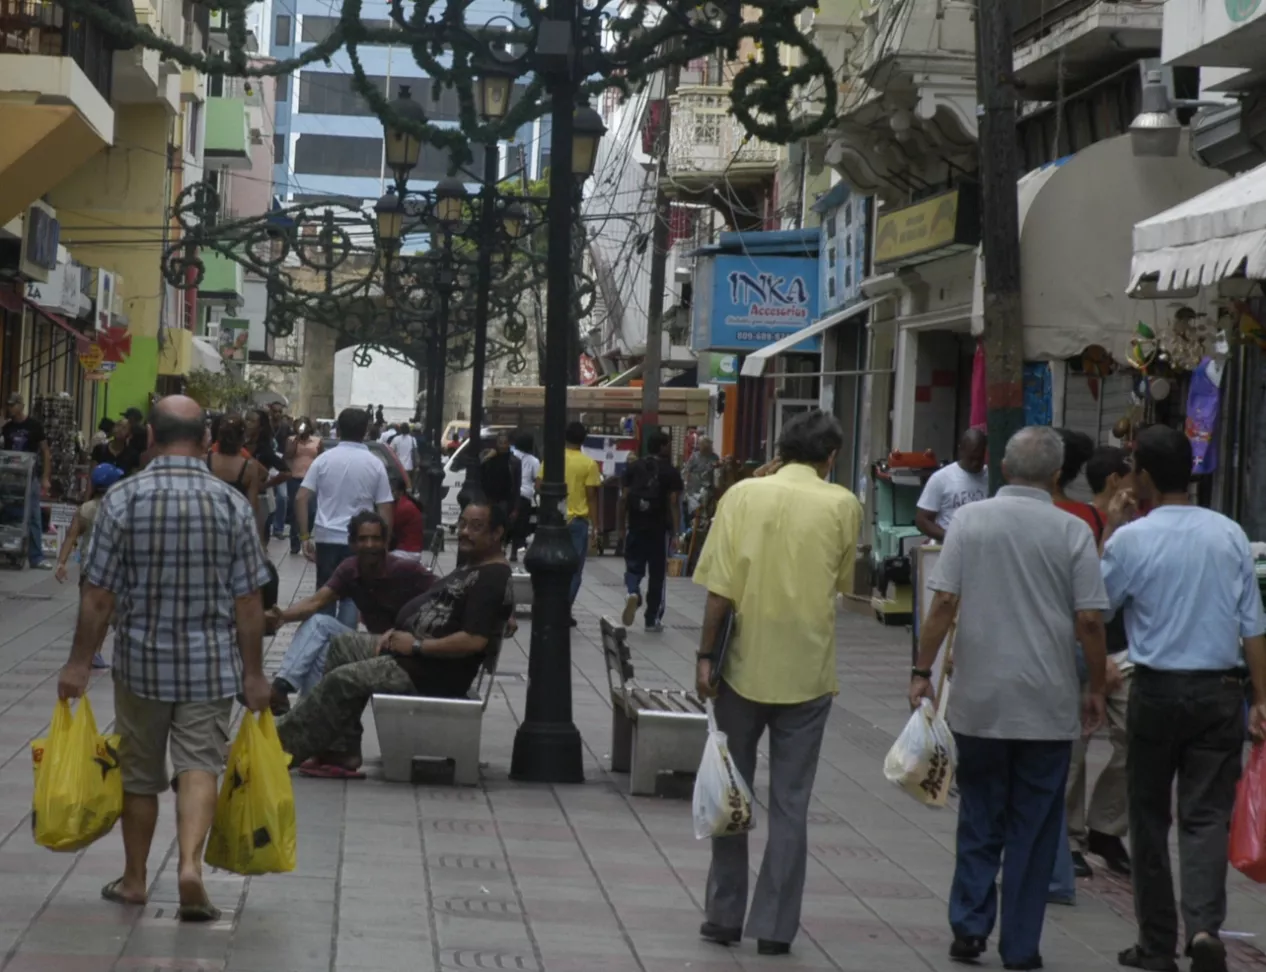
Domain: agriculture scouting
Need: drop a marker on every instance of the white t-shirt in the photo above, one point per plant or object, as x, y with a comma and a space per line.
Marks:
347, 479
951, 487
403, 446
531, 466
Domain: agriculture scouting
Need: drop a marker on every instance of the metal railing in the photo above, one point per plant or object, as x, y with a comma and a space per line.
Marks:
707, 139
46, 28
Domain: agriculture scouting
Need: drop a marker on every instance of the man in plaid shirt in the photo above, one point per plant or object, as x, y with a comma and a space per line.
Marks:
176, 554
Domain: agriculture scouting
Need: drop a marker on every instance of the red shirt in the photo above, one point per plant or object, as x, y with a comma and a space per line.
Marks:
1084, 511
379, 600
406, 526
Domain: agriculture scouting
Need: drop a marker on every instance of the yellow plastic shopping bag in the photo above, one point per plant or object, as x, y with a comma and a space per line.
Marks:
254, 827
78, 785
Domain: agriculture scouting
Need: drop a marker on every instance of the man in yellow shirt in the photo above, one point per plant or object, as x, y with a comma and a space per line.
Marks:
583, 477
781, 547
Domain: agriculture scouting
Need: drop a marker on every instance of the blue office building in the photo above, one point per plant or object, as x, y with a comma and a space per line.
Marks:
328, 141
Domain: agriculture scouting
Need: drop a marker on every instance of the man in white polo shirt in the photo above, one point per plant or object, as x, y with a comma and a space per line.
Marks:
346, 480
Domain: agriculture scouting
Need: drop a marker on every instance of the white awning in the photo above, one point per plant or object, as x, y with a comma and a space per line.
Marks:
754, 363
207, 357
1206, 238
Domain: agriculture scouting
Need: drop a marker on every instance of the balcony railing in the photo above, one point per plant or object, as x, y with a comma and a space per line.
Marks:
48, 29
1032, 19
707, 141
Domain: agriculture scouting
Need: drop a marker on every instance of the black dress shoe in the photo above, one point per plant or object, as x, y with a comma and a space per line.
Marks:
1034, 963
719, 934
1111, 849
967, 949
1081, 868
766, 947
1208, 954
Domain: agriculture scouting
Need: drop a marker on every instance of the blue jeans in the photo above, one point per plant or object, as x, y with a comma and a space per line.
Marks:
282, 495
328, 557
646, 552
579, 530
35, 526
1010, 814
304, 661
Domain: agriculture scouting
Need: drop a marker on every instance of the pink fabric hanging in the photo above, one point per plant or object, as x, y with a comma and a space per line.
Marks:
979, 398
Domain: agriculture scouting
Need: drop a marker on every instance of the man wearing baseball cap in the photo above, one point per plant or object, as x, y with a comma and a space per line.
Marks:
22, 433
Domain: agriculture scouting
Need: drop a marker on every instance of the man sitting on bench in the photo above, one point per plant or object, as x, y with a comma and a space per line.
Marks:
378, 583
435, 649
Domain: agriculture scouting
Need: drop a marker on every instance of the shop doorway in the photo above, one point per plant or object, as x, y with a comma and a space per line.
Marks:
785, 409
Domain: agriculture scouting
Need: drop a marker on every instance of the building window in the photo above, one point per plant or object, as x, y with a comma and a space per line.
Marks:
313, 30
281, 31
848, 277
283, 88
830, 229
193, 137
279, 149
342, 155
830, 287
831, 254
215, 86
848, 247
329, 93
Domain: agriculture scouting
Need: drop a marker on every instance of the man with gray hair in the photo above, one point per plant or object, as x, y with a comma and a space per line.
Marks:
1023, 578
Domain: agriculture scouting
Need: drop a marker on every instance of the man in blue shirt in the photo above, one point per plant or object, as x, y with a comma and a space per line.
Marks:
1193, 615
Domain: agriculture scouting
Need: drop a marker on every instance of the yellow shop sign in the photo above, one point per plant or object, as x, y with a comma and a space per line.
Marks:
949, 221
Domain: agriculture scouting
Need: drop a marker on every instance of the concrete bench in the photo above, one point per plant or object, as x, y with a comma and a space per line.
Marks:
653, 731
416, 729
521, 581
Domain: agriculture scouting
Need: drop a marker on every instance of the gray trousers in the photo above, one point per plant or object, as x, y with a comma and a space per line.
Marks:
1109, 806
795, 739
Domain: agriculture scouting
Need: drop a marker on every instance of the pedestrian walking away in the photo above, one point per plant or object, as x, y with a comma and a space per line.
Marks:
783, 544
379, 584
346, 480
1193, 623
524, 450
583, 477
650, 522
301, 451
1099, 830
23, 433
953, 487
165, 539
435, 648
1022, 577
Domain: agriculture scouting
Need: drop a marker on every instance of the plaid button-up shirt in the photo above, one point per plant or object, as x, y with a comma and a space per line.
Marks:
176, 546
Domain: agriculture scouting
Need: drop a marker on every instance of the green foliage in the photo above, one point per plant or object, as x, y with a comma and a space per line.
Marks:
224, 390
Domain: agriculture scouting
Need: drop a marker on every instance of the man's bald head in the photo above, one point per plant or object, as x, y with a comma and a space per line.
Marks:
177, 424
971, 450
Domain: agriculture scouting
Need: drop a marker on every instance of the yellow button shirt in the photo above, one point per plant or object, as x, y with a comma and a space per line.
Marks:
579, 472
780, 548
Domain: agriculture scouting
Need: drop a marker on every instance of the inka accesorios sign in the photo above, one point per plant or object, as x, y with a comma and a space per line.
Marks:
756, 300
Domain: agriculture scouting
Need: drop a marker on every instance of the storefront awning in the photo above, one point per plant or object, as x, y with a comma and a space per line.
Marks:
1206, 238
754, 363
1077, 218
55, 319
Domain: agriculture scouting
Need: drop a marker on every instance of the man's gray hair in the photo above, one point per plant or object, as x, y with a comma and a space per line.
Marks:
810, 437
1034, 455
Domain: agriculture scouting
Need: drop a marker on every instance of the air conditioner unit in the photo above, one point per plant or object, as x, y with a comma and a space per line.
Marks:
40, 236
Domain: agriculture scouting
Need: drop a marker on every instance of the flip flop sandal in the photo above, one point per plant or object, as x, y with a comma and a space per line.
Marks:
198, 914
1135, 958
326, 771
111, 893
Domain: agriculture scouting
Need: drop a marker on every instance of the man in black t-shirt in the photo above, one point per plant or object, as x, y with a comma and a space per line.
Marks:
436, 649
22, 433
650, 508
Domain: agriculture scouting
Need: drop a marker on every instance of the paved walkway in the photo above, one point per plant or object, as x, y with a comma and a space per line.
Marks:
394, 878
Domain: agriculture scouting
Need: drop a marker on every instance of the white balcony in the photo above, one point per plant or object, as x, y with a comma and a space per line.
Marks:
1219, 35
1079, 41
708, 145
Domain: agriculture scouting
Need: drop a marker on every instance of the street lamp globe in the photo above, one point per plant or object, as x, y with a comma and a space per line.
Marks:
513, 222
403, 148
587, 131
389, 213
494, 84
450, 201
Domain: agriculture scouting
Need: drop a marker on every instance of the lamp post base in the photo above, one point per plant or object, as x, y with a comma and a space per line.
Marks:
547, 752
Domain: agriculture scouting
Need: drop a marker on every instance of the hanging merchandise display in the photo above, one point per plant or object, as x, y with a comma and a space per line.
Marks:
57, 414
1203, 401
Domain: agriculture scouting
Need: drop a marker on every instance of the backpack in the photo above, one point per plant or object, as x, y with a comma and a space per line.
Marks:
645, 496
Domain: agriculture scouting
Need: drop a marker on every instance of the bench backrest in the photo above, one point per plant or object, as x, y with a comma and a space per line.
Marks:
615, 648
492, 655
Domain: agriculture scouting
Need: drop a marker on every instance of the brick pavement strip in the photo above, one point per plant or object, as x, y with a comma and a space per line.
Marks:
517, 877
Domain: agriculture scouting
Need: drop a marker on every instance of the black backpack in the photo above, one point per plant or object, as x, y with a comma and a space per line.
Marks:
645, 496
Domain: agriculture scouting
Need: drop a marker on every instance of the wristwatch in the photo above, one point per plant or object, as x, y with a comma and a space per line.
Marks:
921, 673
417, 647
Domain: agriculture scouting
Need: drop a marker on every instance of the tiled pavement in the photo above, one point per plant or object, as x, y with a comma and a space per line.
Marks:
508, 876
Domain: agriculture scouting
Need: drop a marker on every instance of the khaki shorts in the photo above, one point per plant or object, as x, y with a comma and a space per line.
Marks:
198, 733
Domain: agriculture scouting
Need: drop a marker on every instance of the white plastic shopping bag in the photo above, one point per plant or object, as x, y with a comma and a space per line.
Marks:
923, 758
723, 803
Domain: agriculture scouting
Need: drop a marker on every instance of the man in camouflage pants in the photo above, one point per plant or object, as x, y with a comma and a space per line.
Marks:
436, 650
